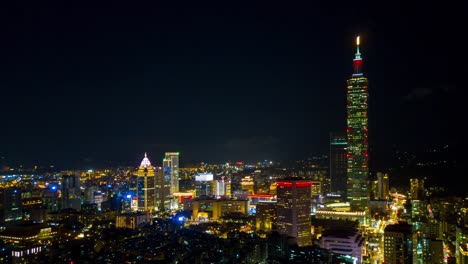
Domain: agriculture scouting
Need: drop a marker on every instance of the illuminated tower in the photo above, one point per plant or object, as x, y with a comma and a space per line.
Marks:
357, 131
293, 209
383, 186
71, 191
146, 186
338, 164
171, 170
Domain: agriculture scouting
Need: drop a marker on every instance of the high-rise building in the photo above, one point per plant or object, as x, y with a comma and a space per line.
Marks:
265, 218
338, 143
203, 185
383, 186
398, 243
11, 209
344, 240
171, 170
357, 130
71, 191
219, 187
417, 188
248, 184
146, 191
294, 204
162, 188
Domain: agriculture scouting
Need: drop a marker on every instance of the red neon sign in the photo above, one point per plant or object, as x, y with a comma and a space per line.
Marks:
303, 184
290, 184
284, 184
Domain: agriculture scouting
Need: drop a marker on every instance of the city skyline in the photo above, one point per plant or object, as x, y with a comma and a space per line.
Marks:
221, 82
267, 133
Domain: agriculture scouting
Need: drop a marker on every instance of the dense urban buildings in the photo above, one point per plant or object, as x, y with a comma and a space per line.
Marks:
357, 132
319, 209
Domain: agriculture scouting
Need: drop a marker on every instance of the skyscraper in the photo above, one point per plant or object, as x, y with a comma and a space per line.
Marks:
357, 131
146, 191
203, 185
383, 186
162, 190
71, 191
294, 203
338, 177
171, 170
398, 246
11, 209
416, 188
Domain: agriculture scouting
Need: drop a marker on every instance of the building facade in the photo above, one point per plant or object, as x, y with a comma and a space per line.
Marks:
383, 186
146, 191
357, 131
71, 192
345, 241
11, 209
338, 176
398, 245
204, 185
293, 209
133, 220
171, 171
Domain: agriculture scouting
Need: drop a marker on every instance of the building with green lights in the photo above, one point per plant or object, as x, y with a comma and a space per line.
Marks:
357, 131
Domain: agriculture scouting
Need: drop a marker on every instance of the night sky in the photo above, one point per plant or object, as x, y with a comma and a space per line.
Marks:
224, 81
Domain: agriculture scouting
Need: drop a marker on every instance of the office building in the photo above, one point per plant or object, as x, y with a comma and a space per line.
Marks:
71, 191
219, 188
338, 176
293, 209
11, 209
383, 186
146, 189
171, 171
417, 189
204, 185
398, 245
265, 217
133, 220
357, 131
213, 209
248, 184
344, 240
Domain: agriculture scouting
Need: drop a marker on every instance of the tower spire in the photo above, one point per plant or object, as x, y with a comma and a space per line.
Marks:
145, 162
357, 62
358, 54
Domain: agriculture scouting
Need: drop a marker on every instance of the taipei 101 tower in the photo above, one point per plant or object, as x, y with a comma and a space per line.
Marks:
357, 130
